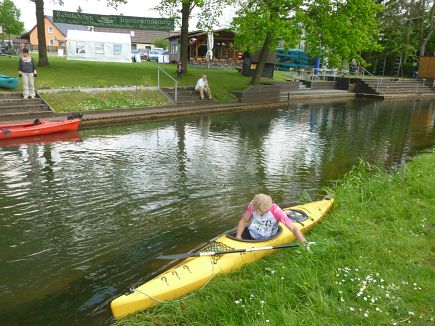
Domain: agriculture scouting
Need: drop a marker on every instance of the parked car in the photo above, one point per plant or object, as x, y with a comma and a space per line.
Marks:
144, 54
133, 55
154, 55
159, 49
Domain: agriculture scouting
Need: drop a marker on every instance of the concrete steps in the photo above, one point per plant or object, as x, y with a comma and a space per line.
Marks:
12, 105
394, 88
185, 95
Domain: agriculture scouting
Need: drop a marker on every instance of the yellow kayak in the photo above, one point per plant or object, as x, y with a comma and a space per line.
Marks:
194, 272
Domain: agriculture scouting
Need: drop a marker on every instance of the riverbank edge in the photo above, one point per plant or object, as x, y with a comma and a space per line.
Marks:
104, 117
372, 264
161, 112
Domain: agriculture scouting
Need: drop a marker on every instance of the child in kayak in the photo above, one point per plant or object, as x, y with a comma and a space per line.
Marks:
265, 216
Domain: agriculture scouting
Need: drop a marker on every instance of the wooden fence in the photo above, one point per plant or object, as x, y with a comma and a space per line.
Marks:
426, 67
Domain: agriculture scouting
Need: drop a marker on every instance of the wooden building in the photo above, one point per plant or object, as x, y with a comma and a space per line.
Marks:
250, 64
223, 47
426, 67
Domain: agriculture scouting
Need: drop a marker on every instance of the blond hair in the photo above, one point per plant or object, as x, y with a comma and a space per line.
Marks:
261, 203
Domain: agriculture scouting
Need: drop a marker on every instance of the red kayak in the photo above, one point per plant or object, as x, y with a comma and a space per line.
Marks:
38, 127
66, 136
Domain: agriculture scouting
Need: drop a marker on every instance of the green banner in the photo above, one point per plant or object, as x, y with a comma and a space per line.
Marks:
127, 22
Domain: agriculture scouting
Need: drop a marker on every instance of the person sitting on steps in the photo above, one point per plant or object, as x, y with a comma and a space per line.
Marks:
203, 87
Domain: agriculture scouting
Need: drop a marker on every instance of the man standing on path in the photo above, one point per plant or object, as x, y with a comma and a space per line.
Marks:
202, 86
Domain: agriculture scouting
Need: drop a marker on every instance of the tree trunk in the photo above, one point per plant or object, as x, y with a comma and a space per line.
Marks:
262, 59
425, 39
185, 13
40, 25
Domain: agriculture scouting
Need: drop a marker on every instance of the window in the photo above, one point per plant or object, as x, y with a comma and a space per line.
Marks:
117, 49
99, 48
131, 33
50, 29
51, 42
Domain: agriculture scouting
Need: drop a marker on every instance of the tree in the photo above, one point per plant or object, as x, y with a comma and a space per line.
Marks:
426, 23
262, 24
40, 25
342, 30
338, 30
408, 27
10, 18
208, 17
160, 43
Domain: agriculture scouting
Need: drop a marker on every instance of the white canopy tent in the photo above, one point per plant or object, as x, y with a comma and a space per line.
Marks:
98, 46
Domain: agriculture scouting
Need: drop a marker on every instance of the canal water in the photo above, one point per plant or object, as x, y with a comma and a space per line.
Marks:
83, 220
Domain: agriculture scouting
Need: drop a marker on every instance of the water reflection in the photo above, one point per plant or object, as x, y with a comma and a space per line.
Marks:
82, 221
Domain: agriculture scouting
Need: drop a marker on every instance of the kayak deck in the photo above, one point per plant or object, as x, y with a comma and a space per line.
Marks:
194, 272
38, 127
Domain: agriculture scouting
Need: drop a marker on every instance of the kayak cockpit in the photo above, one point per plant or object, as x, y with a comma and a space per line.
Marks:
295, 215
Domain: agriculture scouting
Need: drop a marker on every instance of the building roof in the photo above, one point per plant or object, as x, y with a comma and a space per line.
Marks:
64, 28
201, 33
140, 36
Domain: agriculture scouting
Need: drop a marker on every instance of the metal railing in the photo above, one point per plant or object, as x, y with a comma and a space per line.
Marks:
379, 80
170, 77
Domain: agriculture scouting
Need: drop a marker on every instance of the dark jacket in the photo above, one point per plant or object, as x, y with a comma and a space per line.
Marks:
26, 67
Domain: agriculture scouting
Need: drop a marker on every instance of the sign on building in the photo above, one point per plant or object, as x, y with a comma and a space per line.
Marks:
113, 21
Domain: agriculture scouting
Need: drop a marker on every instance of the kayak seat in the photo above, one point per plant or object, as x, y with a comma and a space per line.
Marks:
232, 235
36, 122
296, 215
5, 131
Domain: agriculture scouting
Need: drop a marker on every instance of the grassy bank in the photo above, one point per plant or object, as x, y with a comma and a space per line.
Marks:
81, 102
64, 73
372, 266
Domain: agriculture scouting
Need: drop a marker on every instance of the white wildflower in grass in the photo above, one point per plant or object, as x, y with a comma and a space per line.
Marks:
371, 292
267, 321
262, 302
411, 313
238, 301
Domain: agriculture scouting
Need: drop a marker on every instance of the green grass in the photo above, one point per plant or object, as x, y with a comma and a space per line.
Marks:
64, 73
81, 102
372, 265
